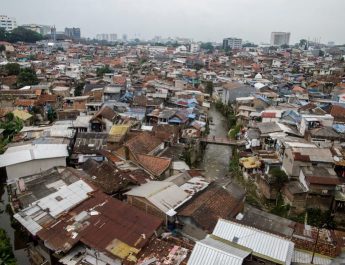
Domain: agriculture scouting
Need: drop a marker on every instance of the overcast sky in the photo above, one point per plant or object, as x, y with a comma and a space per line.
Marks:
206, 20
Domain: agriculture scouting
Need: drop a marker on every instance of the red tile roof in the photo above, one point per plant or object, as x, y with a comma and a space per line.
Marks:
213, 203
338, 112
268, 114
155, 165
143, 143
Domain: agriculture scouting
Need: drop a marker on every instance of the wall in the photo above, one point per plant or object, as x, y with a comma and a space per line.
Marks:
191, 229
33, 167
146, 206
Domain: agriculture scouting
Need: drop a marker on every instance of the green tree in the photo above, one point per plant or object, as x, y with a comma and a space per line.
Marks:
303, 43
2, 48
78, 90
103, 70
27, 77
209, 87
12, 68
12, 125
51, 114
279, 177
22, 34
207, 46
6, 254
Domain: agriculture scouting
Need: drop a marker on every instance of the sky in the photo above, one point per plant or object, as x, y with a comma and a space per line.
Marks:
200, 20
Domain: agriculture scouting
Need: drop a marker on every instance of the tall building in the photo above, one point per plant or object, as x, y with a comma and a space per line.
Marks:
113, 37
233, 43
8, 23
280, 38
73, 33
102, 36
124, 37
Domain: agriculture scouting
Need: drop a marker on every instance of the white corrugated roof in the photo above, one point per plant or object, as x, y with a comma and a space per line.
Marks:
24, 153
213, 251
52, 205
262, 243
162, 194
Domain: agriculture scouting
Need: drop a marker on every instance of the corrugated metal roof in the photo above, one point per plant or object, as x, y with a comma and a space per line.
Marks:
213, 251
305, 257
20, 154
270, 246
162, 194
34, 217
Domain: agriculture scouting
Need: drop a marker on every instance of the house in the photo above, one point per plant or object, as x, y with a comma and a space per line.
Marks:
29, 159
251, 166
159, 167
213, 249
324, 137
321, 184
214, 200
75, 103
143, 143
103, 120
159, 198
88, 145
266, 248
233, 90
309, 122
301, 155
338, 112
24, 116
78, 215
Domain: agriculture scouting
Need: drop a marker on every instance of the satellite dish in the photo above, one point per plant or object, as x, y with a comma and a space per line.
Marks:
336, 159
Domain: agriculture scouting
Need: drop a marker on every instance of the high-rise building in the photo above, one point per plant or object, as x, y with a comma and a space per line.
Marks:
124, 37
73, 33
113, 37
280, 38
233, 43
102, 36
8, 23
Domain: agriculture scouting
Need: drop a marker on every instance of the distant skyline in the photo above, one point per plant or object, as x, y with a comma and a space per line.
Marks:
200, 20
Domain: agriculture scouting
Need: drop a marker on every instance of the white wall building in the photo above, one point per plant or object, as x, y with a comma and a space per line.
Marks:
26, 160
8, 23
233, 43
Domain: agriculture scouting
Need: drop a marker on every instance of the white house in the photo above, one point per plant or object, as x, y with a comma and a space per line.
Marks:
26, 160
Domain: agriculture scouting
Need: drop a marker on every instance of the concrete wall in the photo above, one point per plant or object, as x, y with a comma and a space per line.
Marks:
33, 167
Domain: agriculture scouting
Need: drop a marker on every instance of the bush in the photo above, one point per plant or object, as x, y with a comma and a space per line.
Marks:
6, 254
27, 77
12, 68
103, 70
279, 177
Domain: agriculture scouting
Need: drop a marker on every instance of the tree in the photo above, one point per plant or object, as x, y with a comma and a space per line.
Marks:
284, 46
12, 68
103, 70
78, 90
51, 114
27, 77
22, 34
6, 253
2, 48
209, 87
12, 126
279, 177
207, 46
